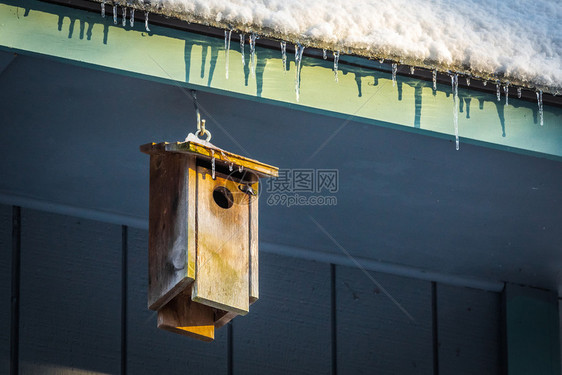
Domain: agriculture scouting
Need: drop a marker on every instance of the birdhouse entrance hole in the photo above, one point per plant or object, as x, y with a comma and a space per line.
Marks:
223, 197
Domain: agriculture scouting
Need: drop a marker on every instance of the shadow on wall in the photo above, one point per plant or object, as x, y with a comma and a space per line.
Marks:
211, 47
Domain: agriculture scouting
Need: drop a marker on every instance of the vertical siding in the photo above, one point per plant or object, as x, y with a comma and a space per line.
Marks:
70, 294
469, 331
5, 285
154, 351
373, 335
288, 329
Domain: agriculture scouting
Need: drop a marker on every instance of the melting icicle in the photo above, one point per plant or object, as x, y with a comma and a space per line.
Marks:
468, 81
284, 55
230, 166
103, 9
115, 14
146, 21
227, 35
298, 59
412, 70
213, 164
132, 20
240, 168
336, 60
394, 69
324, 54
506, 92
539, 102
498, 94
434, 73
519, 92
253, 38
242, 36
124, 22
455, 89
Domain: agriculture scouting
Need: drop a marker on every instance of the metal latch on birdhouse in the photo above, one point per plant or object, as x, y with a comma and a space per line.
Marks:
203, 235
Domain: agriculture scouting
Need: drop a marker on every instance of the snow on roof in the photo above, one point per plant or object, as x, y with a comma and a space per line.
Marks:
519, 41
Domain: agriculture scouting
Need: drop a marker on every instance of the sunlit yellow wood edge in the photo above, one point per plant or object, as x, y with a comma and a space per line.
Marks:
189, 60
262, 169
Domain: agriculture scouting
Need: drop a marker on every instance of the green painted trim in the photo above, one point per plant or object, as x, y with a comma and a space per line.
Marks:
195, 61
532, 331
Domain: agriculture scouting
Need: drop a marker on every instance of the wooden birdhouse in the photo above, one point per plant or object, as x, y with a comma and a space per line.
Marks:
203, 235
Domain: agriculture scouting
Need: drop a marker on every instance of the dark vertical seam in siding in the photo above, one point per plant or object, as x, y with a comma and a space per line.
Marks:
124, 250
15, 294
503, 333
435, 328
333, 321
230, 348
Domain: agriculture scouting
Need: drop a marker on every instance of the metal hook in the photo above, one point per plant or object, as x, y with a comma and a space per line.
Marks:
201, 131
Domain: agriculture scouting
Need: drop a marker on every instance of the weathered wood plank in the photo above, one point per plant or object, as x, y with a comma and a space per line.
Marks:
170, 270
70, 294
468, 331
373, 335
254, 246
5, 285
288, 329
222, 244
154, 351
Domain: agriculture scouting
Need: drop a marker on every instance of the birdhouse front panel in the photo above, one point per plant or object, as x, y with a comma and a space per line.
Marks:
223, 244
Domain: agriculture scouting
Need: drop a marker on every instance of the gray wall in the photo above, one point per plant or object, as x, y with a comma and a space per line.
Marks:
312, 318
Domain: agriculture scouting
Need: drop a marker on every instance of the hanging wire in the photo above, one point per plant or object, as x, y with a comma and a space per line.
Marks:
201, 130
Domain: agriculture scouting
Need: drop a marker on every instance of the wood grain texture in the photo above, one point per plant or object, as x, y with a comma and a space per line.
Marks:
155, 351
254, 246
288, 329
5, 285
183, 316
373, 335
222, 246
469, 331
70, 294
169, 242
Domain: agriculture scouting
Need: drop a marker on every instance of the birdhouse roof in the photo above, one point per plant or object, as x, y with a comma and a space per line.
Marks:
207, 151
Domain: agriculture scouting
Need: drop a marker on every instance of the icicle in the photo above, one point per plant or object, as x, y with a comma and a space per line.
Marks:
298, 59
412, 70
132, 15
115, 14
539, 102
227, 49
146, 21
468, 81
498, 94
103, 8
230, 166
242, 37
253, 38
240, 168
324, 54
336, 60
519, 92
394, 69
506, 92
124, 21
434, 73
485, 83
284, 55
455, 89
213, 164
